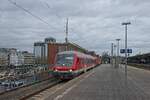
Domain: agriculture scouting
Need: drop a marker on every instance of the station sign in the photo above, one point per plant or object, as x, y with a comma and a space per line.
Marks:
123, 50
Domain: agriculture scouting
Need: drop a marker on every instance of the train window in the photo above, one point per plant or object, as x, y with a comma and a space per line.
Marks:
64, 60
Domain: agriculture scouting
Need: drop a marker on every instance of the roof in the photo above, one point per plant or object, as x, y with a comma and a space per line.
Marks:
76, 45
142, 55
77, 53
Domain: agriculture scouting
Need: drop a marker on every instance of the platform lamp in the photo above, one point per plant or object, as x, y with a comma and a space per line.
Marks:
118, 60
126, 24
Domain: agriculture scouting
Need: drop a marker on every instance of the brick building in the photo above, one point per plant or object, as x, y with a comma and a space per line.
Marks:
54, 48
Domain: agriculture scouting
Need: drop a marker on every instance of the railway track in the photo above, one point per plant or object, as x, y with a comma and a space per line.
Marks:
25, 92
28, 91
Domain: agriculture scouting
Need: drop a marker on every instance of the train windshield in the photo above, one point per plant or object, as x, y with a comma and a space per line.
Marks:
64, 60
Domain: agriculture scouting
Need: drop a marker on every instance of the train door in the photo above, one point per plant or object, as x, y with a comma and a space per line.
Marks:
77, 63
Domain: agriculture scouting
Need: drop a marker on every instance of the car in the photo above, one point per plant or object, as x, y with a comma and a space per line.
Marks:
6, 83
18, 83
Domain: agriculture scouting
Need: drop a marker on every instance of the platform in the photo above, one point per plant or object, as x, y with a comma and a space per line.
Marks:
105, 83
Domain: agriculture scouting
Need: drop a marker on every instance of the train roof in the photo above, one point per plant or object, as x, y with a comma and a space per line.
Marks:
79, 54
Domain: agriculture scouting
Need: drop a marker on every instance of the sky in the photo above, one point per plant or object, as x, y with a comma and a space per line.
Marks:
93, 24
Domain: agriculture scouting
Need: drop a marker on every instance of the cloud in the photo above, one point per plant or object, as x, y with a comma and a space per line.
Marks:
93, 24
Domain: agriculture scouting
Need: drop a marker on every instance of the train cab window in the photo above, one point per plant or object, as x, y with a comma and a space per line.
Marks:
64, 60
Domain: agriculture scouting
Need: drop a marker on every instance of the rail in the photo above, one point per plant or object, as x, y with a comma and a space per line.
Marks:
27, 91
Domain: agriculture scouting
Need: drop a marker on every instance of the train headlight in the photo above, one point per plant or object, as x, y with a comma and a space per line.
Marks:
56, 70
70, 70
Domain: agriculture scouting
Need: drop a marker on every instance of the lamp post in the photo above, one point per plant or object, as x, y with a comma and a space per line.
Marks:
115, 54
112, 46
118, 60
126, 24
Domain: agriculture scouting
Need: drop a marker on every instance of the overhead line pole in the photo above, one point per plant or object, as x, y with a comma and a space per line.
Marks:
66, 38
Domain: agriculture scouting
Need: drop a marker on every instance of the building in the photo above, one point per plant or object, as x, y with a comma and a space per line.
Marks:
91, 53
54, 48
13, 57
4, 60
41, 50
140, 59
47, 41
29, 58
20, 58
46, 51
50, 40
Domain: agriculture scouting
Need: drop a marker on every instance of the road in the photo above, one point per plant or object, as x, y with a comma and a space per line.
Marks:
103, 83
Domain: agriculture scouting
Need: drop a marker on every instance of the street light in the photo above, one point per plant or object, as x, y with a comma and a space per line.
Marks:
126, 24
112, 46
118, 52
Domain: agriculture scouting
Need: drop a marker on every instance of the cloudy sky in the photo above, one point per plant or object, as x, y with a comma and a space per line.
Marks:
93, 24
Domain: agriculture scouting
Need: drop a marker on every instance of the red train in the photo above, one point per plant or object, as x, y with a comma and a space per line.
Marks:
70, 64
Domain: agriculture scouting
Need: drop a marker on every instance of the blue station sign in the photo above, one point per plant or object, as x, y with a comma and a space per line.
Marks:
123, 50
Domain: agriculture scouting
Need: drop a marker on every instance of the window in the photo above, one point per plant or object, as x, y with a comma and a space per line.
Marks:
64, 60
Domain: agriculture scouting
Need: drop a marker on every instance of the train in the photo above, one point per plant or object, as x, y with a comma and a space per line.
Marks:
69, 64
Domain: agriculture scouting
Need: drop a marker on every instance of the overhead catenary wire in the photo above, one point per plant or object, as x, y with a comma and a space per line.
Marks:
37, 17
56, 14
50, 7
27, 11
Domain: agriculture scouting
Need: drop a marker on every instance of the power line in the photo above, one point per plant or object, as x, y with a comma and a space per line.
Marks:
35, 16
56, 14
50, 7
45, 3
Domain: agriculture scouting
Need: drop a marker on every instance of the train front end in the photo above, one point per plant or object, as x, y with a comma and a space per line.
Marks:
64, 66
